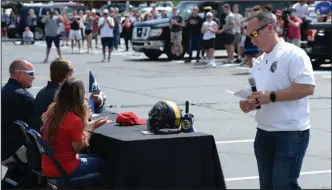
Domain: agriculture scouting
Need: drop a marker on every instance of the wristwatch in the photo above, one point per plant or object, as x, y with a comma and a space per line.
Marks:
273, 96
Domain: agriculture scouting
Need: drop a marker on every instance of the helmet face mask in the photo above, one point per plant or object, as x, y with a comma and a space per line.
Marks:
164, 115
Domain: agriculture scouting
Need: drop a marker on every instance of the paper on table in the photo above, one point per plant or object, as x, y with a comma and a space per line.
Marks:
242, 94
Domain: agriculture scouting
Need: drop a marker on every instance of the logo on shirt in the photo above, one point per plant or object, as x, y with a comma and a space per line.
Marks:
273, 67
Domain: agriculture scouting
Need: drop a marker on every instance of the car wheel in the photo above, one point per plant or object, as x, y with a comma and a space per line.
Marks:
39, 33
153, 54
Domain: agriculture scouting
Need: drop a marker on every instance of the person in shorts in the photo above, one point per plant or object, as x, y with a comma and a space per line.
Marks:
75, 31
229, 32
237, 28
176, 25
106, 24
95, 28
52, 31
209, 30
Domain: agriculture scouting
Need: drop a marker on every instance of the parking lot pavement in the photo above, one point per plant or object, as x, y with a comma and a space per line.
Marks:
130, 80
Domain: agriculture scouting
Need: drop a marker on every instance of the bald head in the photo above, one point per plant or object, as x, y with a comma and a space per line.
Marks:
19, 64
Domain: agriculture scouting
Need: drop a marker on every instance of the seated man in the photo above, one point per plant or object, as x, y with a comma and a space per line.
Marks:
27, 36
60, 69
16, 104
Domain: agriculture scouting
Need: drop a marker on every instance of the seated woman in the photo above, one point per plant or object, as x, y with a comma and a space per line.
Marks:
27, 36
63, 130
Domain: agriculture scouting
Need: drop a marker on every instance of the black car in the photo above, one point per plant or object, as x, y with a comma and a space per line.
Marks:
153, 37
319, 42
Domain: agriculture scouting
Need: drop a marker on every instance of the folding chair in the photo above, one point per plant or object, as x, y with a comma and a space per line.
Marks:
46, 150
31, 146
19, 165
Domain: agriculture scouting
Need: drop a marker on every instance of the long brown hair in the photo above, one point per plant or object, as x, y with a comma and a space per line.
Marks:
70, 97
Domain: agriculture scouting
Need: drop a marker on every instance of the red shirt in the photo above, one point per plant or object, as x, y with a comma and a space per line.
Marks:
70, 130
95, 27
293, 32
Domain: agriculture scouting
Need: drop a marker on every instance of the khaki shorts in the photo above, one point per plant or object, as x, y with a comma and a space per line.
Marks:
176, 36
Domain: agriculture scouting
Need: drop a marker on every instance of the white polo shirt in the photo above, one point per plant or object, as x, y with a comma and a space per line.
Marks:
284, 65
106, 30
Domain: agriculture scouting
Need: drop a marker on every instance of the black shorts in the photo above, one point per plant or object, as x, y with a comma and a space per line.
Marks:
107, 41
50, 39
207, 44
87, 32
228, 38
3, 24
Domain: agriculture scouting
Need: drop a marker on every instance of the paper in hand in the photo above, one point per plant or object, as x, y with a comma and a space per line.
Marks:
242, 94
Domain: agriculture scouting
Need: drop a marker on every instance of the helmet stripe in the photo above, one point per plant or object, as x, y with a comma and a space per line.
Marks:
176, 111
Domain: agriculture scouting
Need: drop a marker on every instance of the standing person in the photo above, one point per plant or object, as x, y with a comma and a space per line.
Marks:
237, 28
176, 26
82, 26
284, 79
88, 30
195, 36
16, 104
209, 30
250, 49
302, 11
95, 28
52, 31
294, 28
106, 24
32, 21
60, 70
116, 29
229, 32
126, 30
75, 31
4, 21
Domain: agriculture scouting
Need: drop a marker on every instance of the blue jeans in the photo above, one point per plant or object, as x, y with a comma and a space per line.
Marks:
279, 158
194, 43
116, 33
89, 173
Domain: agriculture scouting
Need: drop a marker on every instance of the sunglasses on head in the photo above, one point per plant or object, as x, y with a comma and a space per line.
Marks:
254, 34
31, 73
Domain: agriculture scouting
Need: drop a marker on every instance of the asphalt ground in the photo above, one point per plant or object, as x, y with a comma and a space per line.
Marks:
133, 80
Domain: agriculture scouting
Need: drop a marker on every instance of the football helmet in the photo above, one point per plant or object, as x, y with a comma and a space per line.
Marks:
164, 114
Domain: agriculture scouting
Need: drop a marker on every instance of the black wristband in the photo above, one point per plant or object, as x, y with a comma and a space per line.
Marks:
273, 97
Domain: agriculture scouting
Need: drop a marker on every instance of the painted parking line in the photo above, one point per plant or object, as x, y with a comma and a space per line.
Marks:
235, 141
256, 177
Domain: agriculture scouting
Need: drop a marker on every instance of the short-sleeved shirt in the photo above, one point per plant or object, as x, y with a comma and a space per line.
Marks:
229, 20
176, 28
238, 19
52, 26
89, 23
106, 30
194, 25
70, 130
16, 104
324, 8
284, 65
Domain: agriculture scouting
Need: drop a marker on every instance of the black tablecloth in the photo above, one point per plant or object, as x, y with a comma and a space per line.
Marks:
172, 161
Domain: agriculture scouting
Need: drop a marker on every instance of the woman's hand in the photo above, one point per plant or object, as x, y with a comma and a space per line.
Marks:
98, 122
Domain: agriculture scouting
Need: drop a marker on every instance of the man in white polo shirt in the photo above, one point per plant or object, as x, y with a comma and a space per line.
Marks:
106, 25
284, 80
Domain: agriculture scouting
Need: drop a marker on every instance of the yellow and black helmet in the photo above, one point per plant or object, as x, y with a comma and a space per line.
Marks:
164, 114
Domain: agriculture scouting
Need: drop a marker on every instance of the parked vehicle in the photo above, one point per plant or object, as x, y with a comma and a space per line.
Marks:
40, 10
319, 46
153, 37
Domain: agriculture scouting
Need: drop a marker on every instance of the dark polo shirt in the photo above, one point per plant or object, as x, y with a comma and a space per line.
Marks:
43, 99
16, 104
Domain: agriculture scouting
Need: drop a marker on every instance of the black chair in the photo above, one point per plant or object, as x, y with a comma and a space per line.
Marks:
33, 154
46, 150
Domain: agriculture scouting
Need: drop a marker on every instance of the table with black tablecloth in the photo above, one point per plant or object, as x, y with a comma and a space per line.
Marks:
168, 161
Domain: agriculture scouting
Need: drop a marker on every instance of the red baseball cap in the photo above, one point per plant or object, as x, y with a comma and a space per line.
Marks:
129, 119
